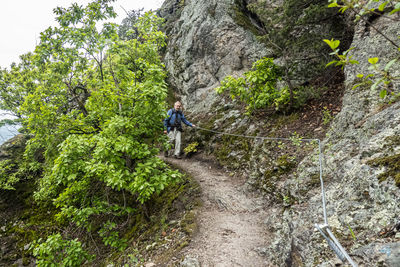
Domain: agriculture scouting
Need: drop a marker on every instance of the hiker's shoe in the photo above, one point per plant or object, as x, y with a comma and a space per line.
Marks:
166, 154
177, 157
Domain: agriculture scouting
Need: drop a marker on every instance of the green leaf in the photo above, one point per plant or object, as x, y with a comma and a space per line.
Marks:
395, 10
352, 233
373, 60
383, 93
360, 76
336, 44
376, 83
382, 6
333, 44
330, 63
354, 61
389, 64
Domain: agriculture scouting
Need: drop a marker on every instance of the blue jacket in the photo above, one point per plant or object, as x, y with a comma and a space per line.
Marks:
174, 119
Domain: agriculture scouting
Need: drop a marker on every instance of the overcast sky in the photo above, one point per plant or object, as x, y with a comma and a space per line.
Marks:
21, 22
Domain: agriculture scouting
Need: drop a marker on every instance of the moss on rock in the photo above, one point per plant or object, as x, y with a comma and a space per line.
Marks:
242, 16
188, 223
392, 168
390, 163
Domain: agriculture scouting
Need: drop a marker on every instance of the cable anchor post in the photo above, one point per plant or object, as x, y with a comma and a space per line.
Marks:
334, 244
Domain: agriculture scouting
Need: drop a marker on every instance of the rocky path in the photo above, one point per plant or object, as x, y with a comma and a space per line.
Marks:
231, 230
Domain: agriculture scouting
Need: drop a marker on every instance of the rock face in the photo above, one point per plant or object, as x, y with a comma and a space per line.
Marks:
205, 44
361, 150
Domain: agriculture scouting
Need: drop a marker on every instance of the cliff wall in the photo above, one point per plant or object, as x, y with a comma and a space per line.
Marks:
205, 44
361, 147
361, 163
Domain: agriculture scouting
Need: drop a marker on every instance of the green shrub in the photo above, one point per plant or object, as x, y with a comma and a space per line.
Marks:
191, 148
258, 87
56, 251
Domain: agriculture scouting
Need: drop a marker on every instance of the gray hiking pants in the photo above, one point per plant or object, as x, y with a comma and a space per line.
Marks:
175, 136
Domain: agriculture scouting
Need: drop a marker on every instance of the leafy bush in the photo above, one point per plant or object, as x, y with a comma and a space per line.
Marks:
7, 177
191, 148
94, 106
258, 88
111, 237
56, 251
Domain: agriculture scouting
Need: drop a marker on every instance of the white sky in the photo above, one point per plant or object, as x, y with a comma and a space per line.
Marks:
21, 22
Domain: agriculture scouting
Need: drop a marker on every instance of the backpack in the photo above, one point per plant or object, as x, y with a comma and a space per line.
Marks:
177, 123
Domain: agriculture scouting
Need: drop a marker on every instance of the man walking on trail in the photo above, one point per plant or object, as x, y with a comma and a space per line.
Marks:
173, 125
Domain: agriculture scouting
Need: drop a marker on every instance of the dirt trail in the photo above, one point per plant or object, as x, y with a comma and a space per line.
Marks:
231, 230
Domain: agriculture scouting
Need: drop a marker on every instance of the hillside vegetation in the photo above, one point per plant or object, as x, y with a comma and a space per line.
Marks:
89, 179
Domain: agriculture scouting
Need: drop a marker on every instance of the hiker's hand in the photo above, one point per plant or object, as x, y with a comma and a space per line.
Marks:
194, 126
165, 132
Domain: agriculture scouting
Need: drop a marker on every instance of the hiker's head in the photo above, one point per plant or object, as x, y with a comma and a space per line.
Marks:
178, 105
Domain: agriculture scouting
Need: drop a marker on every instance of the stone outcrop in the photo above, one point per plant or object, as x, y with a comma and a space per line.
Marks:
13, 148
362, 199
361, 150
205, 44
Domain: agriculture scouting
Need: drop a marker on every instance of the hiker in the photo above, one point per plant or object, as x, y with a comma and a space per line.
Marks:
173, 125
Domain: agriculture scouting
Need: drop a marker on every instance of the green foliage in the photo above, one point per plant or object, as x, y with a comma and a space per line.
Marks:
296, 139
4, 122
191, 148
111, 238
108, 132
127, 30
363, 8
392, 165
326, 116
292, 30
13, 171
342, 59
352, 233
7, 178
94, 106
258, 88
13, 167
381, 78
56, 251
16, 84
